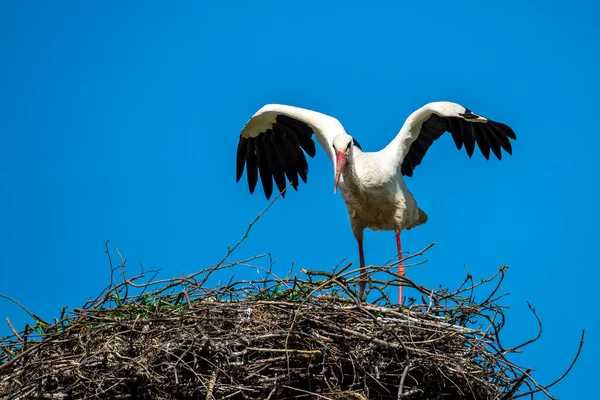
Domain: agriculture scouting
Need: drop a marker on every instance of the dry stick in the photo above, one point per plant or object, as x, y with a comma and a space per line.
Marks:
229, 396
232, 249
545, 388
259, 268
538, 386
468, 278
188, 302
13, 330
245, 262
516, 386
294, 351
501, 270
501, 350
149, 283
32, 315
211, 385
410, 393
404, 373
307, 392
572, 363
418, 253
110, 264
57, 396
428, 323
122, 265
539, 334
272, 392
111, 283
402, 279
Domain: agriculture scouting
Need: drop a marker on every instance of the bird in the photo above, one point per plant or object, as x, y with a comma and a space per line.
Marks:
274, 141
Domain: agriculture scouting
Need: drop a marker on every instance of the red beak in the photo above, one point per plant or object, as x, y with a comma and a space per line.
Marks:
339, 166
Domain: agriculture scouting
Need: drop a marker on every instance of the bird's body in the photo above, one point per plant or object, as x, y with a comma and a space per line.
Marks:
376, 195
273, 143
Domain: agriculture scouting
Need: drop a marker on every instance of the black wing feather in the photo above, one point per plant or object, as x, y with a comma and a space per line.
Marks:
288, 155
302, 164
468, 137
251, 171
480, 138
278, 165
240, 159
455, 131
264, 167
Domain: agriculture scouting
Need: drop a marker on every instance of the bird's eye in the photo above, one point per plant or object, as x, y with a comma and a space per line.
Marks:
348, 147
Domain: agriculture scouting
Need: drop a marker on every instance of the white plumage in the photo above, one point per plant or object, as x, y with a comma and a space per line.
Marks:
273, 142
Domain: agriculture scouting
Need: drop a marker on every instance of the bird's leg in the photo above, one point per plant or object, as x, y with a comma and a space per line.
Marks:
401, 269
362, 278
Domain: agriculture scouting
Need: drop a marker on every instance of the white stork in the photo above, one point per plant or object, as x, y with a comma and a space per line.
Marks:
271, 144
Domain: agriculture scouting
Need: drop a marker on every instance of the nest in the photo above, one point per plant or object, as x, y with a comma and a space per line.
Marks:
306, 336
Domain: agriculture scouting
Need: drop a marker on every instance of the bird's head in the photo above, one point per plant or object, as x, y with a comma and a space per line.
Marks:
342, 147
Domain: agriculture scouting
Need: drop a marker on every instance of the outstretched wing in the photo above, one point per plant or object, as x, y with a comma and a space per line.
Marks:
429, 123
273, 143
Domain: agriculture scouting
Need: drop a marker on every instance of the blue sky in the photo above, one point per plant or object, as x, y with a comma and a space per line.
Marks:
120, 121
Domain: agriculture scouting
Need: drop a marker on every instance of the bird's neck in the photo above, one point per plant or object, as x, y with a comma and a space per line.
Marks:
350, 175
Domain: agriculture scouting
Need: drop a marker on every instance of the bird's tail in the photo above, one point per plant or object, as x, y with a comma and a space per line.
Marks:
422, 217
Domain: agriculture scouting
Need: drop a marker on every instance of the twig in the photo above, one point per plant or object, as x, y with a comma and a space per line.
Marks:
35, 317
235, 246
307, 392
211, 385
403, 378
546, 387
13, 330
294, 351
516, 386
539, 334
